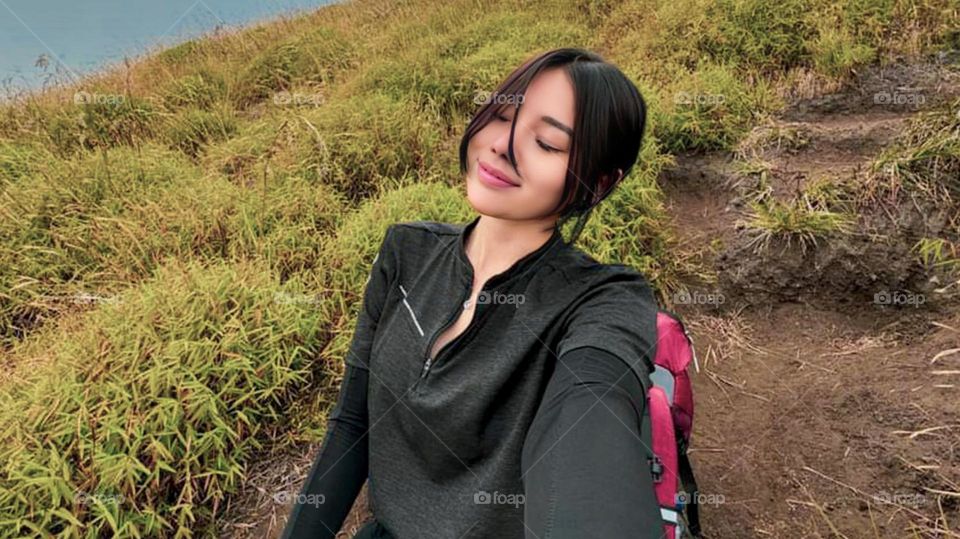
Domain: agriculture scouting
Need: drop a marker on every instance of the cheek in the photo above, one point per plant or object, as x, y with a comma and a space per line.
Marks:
551, 175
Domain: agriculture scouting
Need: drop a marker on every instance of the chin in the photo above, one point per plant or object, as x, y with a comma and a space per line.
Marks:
486, 202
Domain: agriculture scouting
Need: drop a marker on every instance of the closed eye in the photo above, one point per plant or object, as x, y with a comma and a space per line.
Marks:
546, 147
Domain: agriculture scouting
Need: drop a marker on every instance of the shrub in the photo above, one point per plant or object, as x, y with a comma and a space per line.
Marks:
161, 398
315, 57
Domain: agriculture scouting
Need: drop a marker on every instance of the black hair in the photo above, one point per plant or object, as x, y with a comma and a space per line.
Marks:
610, 116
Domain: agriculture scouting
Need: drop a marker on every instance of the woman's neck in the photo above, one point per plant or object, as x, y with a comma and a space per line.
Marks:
496, 244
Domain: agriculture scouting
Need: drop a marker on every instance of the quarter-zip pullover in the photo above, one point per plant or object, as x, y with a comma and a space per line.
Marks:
456, 445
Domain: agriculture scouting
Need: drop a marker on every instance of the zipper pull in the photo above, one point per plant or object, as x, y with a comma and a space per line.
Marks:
426, 367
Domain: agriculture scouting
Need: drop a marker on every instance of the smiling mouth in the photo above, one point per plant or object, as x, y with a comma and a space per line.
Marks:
494, 177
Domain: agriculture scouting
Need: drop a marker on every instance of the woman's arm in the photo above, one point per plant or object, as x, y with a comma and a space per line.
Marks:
340, 468
585, 470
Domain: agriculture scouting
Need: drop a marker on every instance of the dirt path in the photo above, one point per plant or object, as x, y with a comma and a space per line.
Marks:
805, 415
820, 411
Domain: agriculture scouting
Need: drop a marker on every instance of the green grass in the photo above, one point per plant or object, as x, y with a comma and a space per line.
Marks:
147, 413
798, 221
924, 165
203, 90
191, 130
100, 223
925, 158
724, 58
319, 57
939, 253
824, 208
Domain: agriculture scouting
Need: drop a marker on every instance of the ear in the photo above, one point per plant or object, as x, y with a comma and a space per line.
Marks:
607, 183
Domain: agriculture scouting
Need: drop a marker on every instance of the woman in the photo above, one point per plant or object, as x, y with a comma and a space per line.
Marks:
492, 387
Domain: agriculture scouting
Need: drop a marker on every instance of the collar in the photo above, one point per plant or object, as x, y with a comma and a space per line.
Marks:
518, 267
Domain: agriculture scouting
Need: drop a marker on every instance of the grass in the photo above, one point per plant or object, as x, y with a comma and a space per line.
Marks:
318, 56
729, 61
925, 158
175, 382
191, 130
796, 221
185, 239
924, 165
939, 252
160, 397
787, 138
823, 208
103, 222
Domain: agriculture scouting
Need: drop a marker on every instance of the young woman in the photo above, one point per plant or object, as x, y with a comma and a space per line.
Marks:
492, 387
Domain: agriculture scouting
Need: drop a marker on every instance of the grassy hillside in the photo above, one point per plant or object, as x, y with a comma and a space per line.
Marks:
184, 241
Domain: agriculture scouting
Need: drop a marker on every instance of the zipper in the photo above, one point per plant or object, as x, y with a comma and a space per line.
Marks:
428, 361
471, 328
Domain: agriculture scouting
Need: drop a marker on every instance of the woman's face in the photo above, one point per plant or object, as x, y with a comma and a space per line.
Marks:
541, 144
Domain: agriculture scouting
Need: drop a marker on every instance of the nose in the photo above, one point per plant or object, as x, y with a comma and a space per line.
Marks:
501, 143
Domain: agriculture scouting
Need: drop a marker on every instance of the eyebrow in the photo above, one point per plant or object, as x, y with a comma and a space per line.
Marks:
558, 124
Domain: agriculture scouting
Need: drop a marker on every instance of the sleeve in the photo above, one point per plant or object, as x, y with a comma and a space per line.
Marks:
341, 466
374, 296
618, 315
585, 473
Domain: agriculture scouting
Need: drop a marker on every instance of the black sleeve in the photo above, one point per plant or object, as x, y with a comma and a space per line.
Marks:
585, 470
341, 467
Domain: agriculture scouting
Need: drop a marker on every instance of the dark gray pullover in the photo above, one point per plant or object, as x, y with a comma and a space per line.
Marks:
508, 432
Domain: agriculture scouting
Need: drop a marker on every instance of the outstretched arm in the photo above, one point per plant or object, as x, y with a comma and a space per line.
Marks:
585, 470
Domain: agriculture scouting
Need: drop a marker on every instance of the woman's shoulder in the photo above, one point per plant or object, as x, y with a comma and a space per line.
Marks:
427, 227
410, 233
612, 307
408, 242
586, 271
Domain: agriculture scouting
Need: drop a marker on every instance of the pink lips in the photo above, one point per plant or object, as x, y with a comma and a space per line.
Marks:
493, 177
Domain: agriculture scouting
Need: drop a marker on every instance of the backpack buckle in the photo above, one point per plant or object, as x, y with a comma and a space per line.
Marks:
656, 468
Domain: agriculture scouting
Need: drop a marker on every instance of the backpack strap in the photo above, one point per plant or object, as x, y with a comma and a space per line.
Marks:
646, 429
690, 486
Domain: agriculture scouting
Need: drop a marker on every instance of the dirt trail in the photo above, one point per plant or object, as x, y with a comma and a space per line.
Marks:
820, 411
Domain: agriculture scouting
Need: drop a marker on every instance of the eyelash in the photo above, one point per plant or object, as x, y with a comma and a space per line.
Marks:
550, 149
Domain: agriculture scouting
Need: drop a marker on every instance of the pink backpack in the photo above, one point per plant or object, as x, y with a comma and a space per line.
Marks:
668, 424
